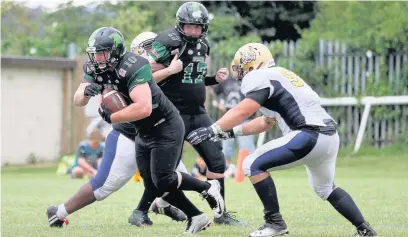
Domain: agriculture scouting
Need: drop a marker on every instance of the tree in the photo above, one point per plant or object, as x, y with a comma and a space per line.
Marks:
270, 20
18, 38
378, 26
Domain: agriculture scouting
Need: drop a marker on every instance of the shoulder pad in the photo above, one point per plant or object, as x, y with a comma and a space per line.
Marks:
170, 37
254, 81
205, 41
130, 64
86, 68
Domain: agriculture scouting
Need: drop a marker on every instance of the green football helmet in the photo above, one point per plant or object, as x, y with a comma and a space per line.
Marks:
105, 39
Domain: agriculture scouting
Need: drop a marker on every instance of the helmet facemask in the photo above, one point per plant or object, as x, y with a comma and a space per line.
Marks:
143, 48
191, 38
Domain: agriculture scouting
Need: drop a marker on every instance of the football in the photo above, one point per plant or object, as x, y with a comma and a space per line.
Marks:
113, 100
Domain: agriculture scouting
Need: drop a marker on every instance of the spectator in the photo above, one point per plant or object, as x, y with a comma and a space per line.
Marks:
88, 156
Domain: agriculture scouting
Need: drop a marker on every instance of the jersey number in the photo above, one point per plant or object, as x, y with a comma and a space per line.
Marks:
201, 69
293, 78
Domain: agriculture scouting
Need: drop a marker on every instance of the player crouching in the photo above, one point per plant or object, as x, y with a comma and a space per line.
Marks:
310, 137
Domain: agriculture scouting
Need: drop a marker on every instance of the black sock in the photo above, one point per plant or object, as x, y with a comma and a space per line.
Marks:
179, 200
145, 201
345, 205
191, 183
267, 193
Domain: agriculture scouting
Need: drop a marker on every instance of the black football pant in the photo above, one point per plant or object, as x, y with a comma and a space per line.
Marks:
210, 151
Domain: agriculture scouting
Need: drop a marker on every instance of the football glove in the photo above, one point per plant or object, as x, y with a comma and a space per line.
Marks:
199, 135
105, 113
92, 89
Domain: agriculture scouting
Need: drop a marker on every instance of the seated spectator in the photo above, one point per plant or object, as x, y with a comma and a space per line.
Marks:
88, 156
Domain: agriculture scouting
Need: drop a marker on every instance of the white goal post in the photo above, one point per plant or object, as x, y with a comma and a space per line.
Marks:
347, 101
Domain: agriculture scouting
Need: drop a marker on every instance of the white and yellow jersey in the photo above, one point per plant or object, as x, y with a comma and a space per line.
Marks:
295, 101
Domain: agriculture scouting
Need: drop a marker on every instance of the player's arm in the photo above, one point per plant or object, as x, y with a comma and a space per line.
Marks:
238, 114
79, 97
255, 126
160, 54
140, 93
86, 89
257, 89
175, 66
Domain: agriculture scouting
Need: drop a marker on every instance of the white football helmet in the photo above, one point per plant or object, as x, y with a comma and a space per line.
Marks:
142, 43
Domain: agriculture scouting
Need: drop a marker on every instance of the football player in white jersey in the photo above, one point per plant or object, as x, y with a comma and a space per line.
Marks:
309, 138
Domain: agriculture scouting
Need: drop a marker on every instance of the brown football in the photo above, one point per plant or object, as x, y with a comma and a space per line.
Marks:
113, 100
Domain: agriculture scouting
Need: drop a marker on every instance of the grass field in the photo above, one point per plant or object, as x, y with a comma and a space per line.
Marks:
379, 185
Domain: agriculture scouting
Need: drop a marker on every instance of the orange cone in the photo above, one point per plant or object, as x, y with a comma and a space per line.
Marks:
239, 173
137, 177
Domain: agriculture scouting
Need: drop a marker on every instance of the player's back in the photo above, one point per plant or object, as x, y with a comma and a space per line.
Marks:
290, 96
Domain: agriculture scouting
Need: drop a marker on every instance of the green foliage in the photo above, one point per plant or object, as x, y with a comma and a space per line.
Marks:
376, 26
228, 47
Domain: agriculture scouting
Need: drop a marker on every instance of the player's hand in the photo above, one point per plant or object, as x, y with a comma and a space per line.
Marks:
199, 135
226, 135
92, 89
105, 113
175, 66
222, 75
223, 136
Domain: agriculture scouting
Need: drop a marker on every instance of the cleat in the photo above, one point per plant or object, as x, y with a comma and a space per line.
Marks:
140, 219
270, 230
229, 219
214, 198
170, 211
274, 226
53, 220
366, 230
197, 223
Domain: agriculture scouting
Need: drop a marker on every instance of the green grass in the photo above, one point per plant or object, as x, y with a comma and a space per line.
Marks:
379, 185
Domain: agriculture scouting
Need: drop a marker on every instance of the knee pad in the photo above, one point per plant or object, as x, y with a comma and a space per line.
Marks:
323, 191
165, 181
111, 185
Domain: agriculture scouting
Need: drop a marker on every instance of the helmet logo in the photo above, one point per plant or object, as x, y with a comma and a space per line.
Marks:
248, 56
197, 14
116, 38
196, 11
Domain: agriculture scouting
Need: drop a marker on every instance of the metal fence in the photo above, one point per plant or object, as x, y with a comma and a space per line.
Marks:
351, 74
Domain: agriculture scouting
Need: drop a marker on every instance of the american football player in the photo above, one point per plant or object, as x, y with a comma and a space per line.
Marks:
310, 136
141, 45
151, 119
186, 43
